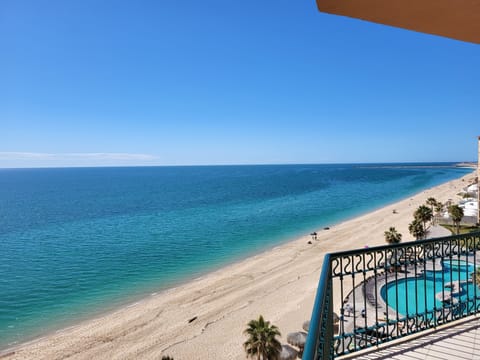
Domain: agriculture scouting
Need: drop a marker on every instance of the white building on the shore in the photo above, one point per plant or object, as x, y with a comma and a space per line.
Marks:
470, 208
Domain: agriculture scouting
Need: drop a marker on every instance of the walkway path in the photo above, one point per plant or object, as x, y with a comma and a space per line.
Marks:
438, 231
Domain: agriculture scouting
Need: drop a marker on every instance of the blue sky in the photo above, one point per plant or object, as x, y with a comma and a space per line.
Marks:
227, 82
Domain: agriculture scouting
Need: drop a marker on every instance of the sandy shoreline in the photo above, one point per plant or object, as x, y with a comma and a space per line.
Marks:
279, 284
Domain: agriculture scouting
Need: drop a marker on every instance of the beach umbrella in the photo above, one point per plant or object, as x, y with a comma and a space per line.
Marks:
306, 325
297, 339
288, 353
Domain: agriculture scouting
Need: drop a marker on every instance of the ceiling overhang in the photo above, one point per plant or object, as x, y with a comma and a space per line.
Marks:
457, 19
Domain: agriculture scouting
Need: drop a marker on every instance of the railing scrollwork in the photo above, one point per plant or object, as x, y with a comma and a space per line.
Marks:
370, 296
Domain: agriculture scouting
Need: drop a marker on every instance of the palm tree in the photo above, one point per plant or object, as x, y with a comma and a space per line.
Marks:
262, 342
432, 202
416, 229
456, 213
438, 208
167, 358
423, 214
392, 236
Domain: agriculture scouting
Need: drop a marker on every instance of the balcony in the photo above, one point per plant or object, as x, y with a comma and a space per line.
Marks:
375, 297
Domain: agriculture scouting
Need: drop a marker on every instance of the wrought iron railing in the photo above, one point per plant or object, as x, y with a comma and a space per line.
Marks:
370, 296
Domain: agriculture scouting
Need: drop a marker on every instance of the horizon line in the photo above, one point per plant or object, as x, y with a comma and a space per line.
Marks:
465, 163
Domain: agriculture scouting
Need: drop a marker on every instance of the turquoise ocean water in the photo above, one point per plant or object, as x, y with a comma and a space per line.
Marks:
75, 242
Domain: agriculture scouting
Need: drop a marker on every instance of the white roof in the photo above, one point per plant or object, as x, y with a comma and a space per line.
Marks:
471, 205
473, 187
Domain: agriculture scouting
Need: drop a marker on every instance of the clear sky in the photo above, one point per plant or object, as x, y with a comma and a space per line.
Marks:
172, 82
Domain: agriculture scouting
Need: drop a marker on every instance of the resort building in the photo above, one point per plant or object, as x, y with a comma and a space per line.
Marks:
370, 297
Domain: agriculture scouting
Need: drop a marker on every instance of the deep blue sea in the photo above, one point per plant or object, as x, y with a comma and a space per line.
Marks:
78, 241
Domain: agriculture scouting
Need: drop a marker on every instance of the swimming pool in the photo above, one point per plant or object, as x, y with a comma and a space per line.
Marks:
431, 289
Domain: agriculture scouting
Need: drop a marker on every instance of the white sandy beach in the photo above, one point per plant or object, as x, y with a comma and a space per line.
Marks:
280, 284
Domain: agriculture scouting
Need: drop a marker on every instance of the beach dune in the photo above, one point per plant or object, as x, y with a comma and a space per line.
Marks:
205, 318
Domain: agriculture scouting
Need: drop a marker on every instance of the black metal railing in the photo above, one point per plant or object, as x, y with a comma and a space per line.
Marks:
370, 296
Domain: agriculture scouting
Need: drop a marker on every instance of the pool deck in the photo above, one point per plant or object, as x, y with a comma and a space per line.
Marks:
367, 295
456, 340
459, 341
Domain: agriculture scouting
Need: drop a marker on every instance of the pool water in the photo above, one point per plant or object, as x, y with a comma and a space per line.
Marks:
418, 295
